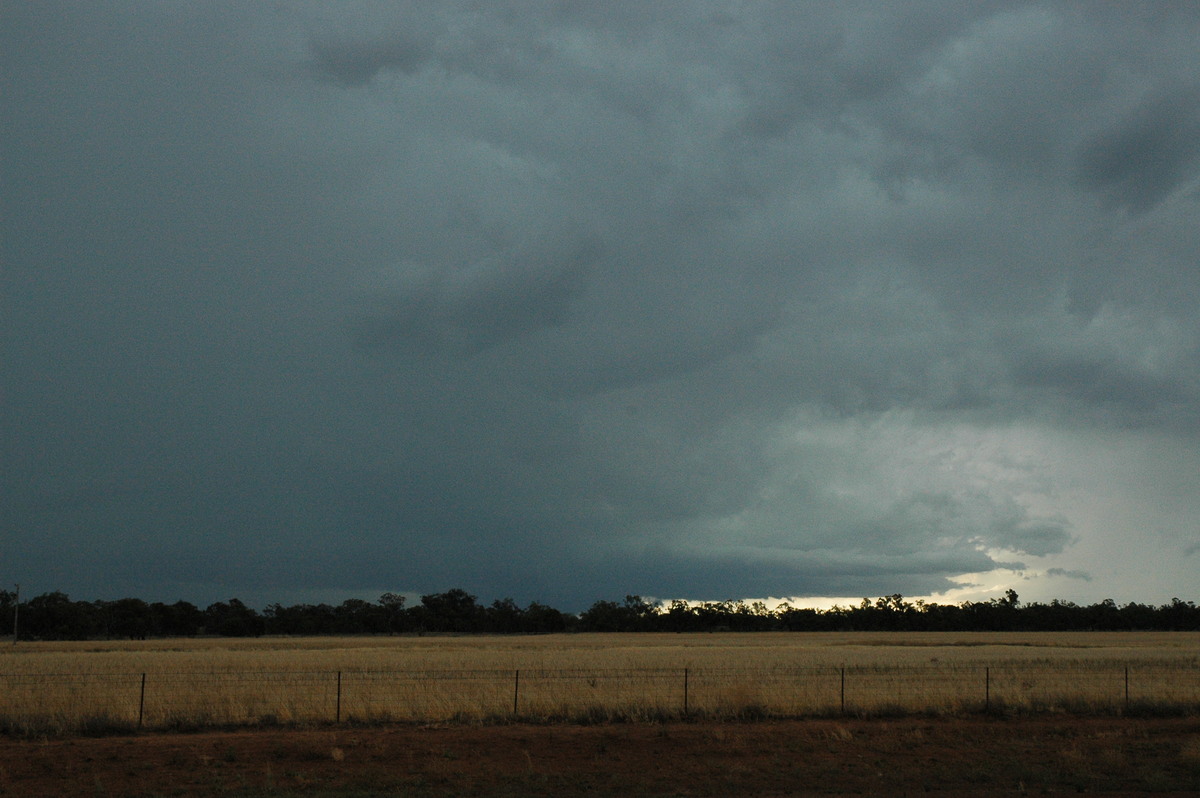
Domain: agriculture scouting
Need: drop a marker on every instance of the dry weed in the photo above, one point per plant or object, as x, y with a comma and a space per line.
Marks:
53, 688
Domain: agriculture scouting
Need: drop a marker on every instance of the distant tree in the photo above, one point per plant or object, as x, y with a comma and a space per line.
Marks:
679, 617
233, 619
7, 601
1103, 616
643, 613
798, 619
1057, 616
635, 614
453, 611
503, 617
540, 619
752, 617
355, 616
275, 620
182, 619
1139, 616
53, 616
303, 619
127, 617
604, 616
715, 616
392, 607
1180, 616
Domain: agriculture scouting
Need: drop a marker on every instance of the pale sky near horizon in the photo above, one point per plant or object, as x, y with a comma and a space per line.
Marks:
566, 301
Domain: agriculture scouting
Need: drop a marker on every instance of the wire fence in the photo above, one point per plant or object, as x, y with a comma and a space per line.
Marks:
101, 701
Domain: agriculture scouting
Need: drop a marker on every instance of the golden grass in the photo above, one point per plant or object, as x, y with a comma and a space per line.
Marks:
76, 686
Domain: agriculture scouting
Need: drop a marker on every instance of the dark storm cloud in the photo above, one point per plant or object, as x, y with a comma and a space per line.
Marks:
355, 64
1148, 154
1101, 383
481, 304
569, 301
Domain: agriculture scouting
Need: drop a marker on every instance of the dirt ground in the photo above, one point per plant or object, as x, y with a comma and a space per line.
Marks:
977, 756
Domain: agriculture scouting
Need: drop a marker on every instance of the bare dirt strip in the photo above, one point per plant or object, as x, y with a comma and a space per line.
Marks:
964, 756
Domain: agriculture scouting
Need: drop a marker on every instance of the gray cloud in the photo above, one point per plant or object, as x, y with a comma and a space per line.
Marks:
356, 63
1147, 154
571, 301
1100, 383
479, 305
1070, 574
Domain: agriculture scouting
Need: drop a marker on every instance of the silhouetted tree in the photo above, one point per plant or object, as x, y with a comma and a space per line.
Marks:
453, 611
799, 619
127, 617
7, 601
503, 617
538, 619
181, 619
392, 606
233, 619
53, 616
634, 615
1180, 616
679, 617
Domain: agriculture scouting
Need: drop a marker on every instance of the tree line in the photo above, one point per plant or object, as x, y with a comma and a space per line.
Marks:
54, 616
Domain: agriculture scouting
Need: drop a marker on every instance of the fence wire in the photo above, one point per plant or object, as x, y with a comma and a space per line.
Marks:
74, 702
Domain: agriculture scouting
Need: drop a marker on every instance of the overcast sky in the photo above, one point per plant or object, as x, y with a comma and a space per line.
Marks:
565, 301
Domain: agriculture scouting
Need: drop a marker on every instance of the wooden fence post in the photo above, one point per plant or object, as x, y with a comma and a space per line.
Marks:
338, 710
142, 702
516, 689
685, 692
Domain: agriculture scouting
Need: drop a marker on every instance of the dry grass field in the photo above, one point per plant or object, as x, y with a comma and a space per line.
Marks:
113, 685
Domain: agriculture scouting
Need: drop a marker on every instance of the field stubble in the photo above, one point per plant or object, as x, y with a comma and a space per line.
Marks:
113, 685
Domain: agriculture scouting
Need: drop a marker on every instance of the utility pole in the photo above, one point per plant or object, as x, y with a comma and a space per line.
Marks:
16, 612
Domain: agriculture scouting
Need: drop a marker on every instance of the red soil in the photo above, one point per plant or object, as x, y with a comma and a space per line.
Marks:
974, 756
